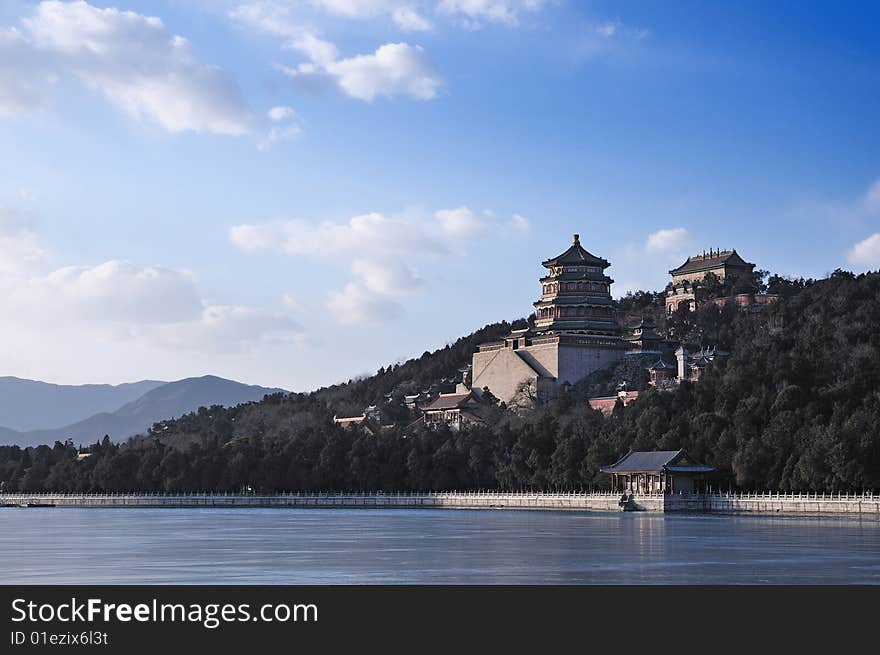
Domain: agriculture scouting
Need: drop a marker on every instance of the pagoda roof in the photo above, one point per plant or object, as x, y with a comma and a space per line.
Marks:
643, 324
644, 336
676, 461
706, 262
660, 365
576, 255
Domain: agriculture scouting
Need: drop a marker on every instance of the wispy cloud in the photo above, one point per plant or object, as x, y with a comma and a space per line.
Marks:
866, 252
118, 301
668, 241
132, 60
394, 69
871, 201
378, 250
474, 14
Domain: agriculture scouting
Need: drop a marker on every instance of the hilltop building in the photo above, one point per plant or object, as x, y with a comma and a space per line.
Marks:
574, 334
724, 264
687, 278
688, 282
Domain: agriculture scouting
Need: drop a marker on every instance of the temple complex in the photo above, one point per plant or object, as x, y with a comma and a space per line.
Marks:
723, 264
687, 278
574, 333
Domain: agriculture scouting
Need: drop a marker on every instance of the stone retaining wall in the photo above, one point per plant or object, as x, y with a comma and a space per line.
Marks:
867, 505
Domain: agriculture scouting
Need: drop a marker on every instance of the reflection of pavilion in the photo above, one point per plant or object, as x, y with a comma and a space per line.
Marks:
658, 472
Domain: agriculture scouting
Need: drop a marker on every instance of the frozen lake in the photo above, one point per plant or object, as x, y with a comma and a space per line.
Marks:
266, 546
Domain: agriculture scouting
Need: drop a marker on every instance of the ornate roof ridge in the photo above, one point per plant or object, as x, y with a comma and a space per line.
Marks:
576, 254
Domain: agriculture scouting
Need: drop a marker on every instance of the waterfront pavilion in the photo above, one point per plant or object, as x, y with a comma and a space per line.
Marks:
658, 472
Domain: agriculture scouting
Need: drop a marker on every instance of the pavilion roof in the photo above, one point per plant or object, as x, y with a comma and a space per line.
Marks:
576, 255
676, 461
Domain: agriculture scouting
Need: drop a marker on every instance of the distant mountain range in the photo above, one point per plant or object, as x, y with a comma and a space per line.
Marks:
29, 409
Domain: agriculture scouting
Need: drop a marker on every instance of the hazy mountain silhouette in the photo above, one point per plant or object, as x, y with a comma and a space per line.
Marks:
31, 405
169, 400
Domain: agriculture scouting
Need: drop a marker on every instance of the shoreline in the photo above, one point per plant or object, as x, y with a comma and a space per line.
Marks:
768, 504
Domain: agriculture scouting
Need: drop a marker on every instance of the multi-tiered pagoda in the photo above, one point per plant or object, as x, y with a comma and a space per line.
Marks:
576, 293
574, 333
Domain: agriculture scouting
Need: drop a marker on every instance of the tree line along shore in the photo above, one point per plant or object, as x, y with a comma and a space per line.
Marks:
796, 407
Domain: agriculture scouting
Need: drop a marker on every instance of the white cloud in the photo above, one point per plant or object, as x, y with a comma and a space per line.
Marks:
352, 8
115, 291
20, 249
394, 69
607, 29
24, 77
403, 14
476, 12
462, 223
279, 114
409, 20
118, 303
672, 240
219, 328
866, 252
278, 134
278, 19
616, 29
375, 234
354, 304
519, 224
149, 73
280, 131
251, 237
642, 266
607, 37
389, 277
872, 197
379, 248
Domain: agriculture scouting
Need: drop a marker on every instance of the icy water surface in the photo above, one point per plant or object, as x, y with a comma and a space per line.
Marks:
269, 546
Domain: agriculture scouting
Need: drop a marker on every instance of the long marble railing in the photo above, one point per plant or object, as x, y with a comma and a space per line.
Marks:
867, 504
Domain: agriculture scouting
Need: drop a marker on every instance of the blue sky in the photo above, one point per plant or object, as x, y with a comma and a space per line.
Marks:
293, 193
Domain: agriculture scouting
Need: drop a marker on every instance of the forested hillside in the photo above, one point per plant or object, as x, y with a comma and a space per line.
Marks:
795, 407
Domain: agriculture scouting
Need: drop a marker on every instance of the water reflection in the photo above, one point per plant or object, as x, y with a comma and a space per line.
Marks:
433, 546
